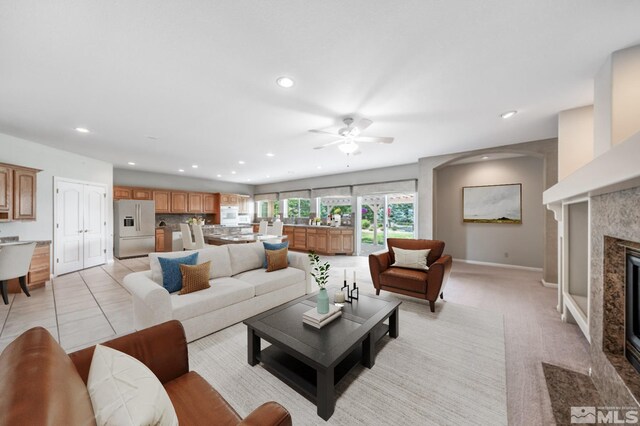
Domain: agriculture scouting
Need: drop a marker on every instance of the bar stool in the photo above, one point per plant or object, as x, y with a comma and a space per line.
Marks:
198, 236
187, 241
15, 259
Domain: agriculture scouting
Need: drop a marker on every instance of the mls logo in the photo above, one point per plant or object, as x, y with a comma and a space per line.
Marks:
583, 414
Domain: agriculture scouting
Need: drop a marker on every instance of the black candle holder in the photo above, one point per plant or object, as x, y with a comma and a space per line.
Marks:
350, 297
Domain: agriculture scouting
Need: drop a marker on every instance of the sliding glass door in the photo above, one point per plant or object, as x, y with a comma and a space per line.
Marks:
384, 216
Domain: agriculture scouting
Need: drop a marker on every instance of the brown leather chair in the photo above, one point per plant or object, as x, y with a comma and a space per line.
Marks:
411, 282
40, 384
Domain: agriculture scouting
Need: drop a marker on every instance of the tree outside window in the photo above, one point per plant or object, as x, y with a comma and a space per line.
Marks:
298, 207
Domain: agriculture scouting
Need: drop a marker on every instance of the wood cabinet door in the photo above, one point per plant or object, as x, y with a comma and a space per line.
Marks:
142, 194
179, 202
6, 192
40, 268
288, 231
209, 203
160, 240
300, 238
321, 241
335, 242
256, 228
122, 193
312, 239
224, 199
24, 194
347, 242
163, 201
195, 202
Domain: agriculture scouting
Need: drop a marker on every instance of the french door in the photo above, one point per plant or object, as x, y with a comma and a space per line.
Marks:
80, 226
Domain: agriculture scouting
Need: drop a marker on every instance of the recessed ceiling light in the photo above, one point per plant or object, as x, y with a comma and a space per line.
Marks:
233, 172
218, 175
131, 163
82, 130
270, 154
268, 176
241, 162
485, 157
508, 114
248, 180
319, 167
181, 170
285, 82
195, 166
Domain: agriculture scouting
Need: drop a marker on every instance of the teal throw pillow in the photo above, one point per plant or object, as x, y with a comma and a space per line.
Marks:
273, 246
171, 275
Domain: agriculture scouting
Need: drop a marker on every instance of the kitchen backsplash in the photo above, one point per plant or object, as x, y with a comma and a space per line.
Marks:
174, 220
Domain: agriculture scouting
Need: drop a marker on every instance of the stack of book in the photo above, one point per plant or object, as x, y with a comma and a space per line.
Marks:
314, 319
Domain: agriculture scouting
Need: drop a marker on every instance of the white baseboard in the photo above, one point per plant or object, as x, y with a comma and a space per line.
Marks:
499, 265
549, 285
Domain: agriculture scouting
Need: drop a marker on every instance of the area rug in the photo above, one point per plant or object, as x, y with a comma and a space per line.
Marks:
446, 367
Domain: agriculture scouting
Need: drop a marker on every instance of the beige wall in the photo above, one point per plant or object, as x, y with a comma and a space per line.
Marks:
575, 139
625, 108
521, 245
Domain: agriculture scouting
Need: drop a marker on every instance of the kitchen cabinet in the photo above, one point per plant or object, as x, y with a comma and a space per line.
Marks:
256, 228
39, 269
163, 201
24, 194
320, 239
179, 202
6, 192
142, 194
164, 239
243, 204
300, 238
210, 204
195, 202
288, 231
122, 193
229, 200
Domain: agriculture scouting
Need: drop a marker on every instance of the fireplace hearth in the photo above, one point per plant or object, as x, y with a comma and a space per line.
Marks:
632, 312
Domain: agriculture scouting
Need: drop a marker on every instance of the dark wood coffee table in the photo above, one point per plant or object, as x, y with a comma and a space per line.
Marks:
314, 361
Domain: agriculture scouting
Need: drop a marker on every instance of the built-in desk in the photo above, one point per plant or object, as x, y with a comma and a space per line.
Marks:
40, 269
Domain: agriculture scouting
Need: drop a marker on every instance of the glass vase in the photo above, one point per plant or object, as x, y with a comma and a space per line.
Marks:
323, 301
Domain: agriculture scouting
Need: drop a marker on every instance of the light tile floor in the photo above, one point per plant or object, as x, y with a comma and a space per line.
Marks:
79, 309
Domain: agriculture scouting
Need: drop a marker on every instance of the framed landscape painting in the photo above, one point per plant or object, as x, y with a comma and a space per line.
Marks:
492, 203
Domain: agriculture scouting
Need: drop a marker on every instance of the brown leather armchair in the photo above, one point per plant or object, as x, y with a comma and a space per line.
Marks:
40, 384
426, 285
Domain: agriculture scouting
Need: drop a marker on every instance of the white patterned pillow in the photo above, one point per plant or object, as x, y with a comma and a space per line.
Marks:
124, 391
411, 259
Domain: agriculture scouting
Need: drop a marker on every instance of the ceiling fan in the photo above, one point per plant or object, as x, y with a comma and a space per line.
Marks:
350, 134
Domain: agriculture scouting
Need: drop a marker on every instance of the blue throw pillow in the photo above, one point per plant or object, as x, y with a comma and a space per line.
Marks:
171, 275
273, 246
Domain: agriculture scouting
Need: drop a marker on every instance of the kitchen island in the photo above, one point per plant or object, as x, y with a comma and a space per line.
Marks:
218, 240
322, 239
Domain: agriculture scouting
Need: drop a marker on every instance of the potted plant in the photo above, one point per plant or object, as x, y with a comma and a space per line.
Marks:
320, 273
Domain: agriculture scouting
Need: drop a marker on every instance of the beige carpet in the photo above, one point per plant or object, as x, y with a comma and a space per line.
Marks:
445, 368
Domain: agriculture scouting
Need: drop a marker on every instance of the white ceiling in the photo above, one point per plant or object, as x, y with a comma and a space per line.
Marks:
200, 76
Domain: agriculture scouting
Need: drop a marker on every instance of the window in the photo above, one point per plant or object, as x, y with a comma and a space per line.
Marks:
298, 207
334, 205
267, 209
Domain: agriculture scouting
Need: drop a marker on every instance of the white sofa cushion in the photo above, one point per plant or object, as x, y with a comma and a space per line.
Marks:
266, 282
218, 255
124, 391
223, 292
246, 256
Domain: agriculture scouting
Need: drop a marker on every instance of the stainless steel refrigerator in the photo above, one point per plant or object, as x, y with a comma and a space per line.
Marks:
134, 228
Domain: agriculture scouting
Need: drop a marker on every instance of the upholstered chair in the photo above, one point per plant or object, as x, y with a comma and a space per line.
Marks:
423, 284
187, 241
15, 259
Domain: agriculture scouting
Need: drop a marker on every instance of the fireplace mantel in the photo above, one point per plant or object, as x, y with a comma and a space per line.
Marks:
615, 170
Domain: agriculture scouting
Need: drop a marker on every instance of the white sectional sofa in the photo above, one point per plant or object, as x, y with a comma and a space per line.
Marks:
240, 288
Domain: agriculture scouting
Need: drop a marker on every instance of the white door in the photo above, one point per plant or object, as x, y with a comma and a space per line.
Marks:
80, 226
69, 250
94, 225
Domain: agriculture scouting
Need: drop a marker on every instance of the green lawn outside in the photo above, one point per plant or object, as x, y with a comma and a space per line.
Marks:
367, 236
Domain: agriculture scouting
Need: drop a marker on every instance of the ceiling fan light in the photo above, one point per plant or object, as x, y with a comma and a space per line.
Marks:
348, 148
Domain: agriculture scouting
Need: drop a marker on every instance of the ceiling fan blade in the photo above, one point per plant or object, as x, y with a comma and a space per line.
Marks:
363, 124
322, 132
376, 139
329, 144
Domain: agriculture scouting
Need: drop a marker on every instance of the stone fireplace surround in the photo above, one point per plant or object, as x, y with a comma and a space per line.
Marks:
615, 225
